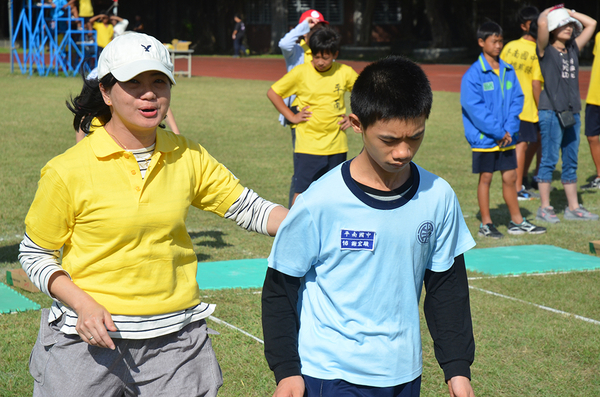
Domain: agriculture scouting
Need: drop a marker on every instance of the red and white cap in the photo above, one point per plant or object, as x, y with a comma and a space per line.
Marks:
559, 16
313, 14
133, 53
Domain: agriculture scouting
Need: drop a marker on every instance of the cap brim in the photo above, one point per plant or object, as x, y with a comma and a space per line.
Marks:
578, 26
130, 70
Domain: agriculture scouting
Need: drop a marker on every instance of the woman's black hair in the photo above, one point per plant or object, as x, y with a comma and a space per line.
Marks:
324, 40
89, 104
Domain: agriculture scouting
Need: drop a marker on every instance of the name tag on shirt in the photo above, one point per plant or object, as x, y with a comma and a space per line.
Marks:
357, 240
488, 86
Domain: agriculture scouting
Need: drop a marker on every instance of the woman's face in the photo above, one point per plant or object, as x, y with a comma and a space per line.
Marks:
141, 103
563, 33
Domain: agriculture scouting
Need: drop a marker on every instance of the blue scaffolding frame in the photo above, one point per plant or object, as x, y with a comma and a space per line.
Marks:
51, 43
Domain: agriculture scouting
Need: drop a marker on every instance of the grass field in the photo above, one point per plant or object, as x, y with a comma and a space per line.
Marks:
522, 350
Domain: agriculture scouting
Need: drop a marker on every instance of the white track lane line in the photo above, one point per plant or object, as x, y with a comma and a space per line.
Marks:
225, 323
589, 320
533, 274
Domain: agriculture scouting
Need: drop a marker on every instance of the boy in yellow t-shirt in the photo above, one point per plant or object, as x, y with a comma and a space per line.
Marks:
104, 30
319, 86
522, 56
592, 116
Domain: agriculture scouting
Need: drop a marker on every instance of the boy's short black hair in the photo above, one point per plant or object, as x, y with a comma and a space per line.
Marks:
488, 29
324, 40
528, 13
392, 88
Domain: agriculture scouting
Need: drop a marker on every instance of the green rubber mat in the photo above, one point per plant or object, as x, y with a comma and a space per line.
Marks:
242, 273
250, 273
528, 259
11, 301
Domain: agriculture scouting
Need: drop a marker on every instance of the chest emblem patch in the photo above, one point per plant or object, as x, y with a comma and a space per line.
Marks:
357, 240
488, 86
424, 232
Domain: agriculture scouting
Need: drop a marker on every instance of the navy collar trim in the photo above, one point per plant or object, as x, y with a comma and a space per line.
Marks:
379, 204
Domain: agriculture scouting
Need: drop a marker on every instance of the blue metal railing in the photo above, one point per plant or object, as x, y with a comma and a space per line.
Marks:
52, 43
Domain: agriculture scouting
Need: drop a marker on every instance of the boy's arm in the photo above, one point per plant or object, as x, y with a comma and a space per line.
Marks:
277, 100
288, 42
448, 314
512, 123
281, 323
95, 18
537, 90
473, 104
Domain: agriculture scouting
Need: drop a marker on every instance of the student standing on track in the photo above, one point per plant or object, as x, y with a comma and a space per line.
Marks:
295, 50
319, 86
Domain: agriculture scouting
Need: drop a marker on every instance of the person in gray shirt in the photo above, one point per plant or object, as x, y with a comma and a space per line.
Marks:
562, 34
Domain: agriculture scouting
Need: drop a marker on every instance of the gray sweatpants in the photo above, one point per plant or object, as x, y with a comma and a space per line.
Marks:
178, 364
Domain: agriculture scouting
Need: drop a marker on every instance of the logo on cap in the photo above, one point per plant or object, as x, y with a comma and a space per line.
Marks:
147, 48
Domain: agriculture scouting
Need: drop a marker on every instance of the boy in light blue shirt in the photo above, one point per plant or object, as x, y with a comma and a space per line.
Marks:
341, 295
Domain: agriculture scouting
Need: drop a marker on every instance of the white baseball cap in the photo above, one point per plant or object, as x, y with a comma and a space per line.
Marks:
560, 17
133, 53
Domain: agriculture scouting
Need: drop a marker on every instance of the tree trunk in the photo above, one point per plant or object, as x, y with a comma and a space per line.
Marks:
279, 24
440, 31
363, 21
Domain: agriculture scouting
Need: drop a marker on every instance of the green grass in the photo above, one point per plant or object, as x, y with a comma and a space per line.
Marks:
522, 350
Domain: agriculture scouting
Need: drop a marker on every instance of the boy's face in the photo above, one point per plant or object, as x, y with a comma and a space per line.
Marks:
323, 60
525, 26
391, 144
492, 46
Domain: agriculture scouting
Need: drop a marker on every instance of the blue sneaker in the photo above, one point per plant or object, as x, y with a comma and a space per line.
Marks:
526, 194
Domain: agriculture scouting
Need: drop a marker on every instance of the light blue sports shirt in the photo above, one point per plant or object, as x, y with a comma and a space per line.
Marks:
363, 261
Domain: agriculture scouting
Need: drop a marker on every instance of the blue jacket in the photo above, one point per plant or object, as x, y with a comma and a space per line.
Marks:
491, 105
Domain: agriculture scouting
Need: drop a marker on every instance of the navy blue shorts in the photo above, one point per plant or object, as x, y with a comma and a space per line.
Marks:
340, 388
494, 161
309, 167
592, 120
528, 132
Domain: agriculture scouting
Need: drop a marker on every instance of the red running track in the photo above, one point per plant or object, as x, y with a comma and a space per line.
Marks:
442, 77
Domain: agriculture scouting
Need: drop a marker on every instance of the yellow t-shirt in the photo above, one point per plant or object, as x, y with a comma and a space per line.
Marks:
125, 239
307, 51
324, 93
593, 96
85, 9
521, 55
104, 34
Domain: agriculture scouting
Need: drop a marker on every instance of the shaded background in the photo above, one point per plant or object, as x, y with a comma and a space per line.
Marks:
395, 26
